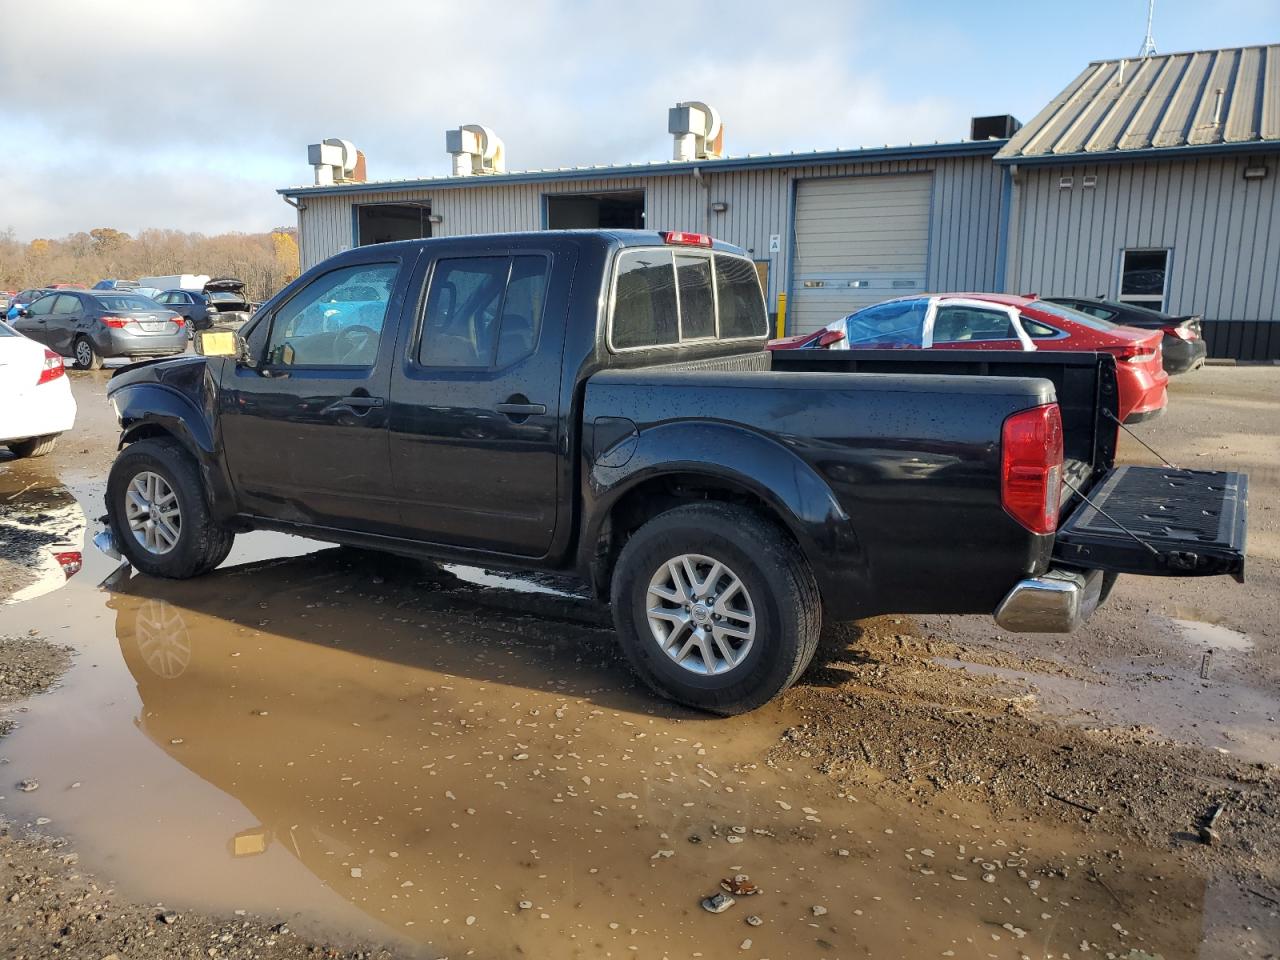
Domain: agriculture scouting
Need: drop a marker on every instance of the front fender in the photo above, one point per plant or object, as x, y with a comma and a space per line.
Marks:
797, 495
144, 409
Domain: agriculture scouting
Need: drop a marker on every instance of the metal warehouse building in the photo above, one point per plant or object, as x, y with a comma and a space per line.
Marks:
1152, 181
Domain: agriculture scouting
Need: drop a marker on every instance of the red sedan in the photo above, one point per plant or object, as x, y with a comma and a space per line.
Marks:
998, 321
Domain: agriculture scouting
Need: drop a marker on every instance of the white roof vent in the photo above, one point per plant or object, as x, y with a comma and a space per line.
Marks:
475, 150
336, 161
698, 132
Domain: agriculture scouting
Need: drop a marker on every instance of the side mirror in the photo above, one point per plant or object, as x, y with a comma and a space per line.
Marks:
24, 312
220, 343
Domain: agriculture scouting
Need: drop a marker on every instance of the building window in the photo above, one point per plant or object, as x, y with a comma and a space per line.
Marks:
1144, 277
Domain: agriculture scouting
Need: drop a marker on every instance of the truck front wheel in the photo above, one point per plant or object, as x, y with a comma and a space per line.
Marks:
715, 607
159, 512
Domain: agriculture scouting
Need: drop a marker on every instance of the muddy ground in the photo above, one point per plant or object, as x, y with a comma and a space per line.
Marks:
456, 763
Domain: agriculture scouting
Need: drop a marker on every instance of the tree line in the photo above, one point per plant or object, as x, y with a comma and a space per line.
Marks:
264, 261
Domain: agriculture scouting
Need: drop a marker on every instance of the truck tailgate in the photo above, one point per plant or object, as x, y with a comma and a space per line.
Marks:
1159, 521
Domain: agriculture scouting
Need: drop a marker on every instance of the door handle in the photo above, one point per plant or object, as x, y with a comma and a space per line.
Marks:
521, 409
359, 405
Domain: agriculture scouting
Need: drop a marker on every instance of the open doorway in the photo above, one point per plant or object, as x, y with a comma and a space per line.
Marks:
386, 222
591, 211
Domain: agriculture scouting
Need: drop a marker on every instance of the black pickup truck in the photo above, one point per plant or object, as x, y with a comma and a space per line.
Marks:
602, 403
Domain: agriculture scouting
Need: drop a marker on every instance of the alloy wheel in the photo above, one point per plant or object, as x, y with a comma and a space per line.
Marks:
700, 614
153, 513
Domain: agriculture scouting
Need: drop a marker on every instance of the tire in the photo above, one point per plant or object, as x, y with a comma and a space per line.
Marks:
781, 596
34, 446
84, 356
200, 543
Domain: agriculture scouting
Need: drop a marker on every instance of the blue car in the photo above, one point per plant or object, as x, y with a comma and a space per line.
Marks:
24, 299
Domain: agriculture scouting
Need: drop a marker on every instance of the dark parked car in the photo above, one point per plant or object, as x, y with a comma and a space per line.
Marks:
90, 325
602, 402
23, 298
221, 303
1184, 348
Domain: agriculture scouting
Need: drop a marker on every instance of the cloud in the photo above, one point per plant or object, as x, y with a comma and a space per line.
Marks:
189, 115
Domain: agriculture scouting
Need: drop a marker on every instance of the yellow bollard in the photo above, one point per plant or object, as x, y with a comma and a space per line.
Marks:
782, 315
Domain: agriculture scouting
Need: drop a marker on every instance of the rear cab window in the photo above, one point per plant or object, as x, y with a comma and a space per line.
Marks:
666, 297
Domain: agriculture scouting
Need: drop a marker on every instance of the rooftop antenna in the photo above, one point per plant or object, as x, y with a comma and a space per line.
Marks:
1149, 44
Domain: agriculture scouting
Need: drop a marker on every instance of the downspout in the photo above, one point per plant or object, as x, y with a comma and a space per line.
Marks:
706, 199
292, 202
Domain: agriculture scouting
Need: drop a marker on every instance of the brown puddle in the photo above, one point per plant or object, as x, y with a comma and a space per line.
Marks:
471, 771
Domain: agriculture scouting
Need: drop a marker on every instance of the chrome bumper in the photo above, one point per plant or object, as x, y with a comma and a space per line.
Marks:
1057, 602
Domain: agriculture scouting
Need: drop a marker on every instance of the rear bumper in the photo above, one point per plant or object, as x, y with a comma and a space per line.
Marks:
1057, 602
47, 409
1181, 355
122, 344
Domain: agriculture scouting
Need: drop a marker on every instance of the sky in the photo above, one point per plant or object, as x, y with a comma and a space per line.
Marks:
190, 115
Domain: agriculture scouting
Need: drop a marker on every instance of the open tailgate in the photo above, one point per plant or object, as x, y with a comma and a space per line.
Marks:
1159, 521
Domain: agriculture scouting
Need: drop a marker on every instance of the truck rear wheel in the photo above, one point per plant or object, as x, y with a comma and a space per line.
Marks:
715, 607
159, 512
34, 446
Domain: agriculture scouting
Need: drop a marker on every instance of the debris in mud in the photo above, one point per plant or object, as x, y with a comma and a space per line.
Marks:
718, 903
168, 917
818, 910
26, 786
754, 921
740, 885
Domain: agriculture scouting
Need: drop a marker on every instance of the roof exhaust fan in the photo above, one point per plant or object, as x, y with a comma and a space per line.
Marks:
698, 131
336, 161
475, 150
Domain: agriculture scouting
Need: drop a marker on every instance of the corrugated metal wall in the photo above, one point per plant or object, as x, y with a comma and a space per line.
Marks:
1223, 233
964, 217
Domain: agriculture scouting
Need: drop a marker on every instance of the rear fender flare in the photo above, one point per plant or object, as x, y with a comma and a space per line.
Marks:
796, 494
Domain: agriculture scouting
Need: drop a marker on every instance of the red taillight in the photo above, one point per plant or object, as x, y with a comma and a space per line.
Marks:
52, 368
116, 323
687, 239
1181, 332
70, 562
1136, 352
1031, 467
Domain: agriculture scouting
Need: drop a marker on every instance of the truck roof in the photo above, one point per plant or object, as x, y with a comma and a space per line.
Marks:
614, 238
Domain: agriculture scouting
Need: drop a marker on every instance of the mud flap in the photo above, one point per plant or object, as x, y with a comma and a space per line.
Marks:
1159, 521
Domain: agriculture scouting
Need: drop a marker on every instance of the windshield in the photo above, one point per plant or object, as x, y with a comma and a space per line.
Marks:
1075, 316
128, 304
8, 331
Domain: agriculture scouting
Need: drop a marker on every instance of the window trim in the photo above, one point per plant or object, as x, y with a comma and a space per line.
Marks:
1145, 299
935, 303
612, 300
414, 346
270, 319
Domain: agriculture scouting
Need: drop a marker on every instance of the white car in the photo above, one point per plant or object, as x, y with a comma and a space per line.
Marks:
35, 395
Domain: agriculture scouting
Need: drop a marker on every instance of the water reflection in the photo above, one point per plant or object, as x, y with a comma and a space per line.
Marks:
41, 538
474, 770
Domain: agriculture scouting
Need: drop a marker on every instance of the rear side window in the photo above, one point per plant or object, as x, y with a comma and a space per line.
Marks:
483, 311
959, 324
1075, 316
664, 297
741, 302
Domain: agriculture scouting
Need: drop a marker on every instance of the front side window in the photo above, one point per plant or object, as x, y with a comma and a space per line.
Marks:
334, 321
898, 323
1143, 277
483, 311
960, 324
43, 307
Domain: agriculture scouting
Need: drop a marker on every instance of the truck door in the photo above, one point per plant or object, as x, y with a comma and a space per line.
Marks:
475, 399
304, 427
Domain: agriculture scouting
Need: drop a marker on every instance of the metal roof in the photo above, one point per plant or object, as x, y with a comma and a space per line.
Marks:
655, 168
1204, 100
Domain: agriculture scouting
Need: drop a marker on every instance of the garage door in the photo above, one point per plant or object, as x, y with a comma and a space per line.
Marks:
859, 240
